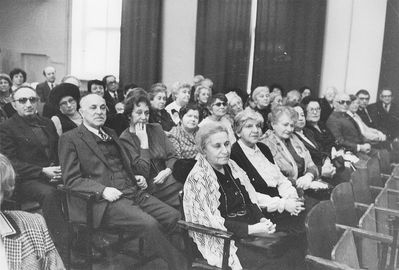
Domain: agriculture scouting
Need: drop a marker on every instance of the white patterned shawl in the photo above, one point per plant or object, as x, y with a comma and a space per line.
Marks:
201, 202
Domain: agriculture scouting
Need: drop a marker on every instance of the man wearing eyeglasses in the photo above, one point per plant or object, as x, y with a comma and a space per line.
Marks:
112, 94
30, 142
344, 128
386, 114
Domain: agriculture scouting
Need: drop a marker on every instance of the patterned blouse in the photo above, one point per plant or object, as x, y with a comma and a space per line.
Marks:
183, 142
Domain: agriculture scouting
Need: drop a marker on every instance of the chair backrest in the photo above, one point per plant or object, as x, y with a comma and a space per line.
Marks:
345, 250
374, 172
361, 189
344, 204
320, 230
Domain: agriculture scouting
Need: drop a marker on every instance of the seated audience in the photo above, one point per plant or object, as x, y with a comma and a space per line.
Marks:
322, 159
234, 105
281, 201
181, 93
25, 237
218, 194
6, 109
217, 105
385, 114
348, 133
65, 97
290, 154
293, 98
327, 103
305, 91
18, 78
371, 135
158, 114
150, 151
93, 160
261, 98
201, 97
276, 88
345, 129
182, 137
30, 142
364, 98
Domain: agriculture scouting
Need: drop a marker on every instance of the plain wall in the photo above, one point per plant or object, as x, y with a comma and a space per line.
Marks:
178, 53
34, 32
353, 45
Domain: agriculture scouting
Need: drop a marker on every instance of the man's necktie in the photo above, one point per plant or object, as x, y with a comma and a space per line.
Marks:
105, 137
386, 107
368, 115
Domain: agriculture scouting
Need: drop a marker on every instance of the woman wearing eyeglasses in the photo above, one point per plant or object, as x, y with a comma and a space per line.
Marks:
218, 108
218, 194
65, 97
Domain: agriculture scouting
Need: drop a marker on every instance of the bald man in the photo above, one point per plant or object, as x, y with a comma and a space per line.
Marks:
93, 160
43, 89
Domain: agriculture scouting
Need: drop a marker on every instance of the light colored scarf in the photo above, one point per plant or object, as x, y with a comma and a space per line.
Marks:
201, 202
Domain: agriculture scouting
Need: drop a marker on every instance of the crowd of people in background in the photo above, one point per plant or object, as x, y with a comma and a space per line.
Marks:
254, 167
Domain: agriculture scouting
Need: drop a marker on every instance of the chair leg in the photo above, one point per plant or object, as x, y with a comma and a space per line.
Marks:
89, 253
69, 246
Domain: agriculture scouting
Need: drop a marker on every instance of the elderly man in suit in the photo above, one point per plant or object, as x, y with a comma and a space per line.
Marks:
385, 114
93, 160
30, 142
344, 128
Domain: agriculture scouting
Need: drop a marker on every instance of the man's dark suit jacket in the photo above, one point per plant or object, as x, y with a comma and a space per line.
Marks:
110, 101
344, 130
20, 144
326, 110
387, 122
85, 168
43, 91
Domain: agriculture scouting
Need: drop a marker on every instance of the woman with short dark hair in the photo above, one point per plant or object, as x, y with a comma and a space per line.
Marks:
151, 153
158, 114
18, 78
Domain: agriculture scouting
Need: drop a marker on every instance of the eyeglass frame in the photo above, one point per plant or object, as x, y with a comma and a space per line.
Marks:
65, 103
220, 103
342, 102
24, 100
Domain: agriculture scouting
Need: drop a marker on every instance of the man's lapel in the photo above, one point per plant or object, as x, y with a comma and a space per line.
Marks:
88, 138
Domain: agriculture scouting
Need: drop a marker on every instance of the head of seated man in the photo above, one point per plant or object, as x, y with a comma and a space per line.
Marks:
386, 96
24, 101
342, 102
93, 110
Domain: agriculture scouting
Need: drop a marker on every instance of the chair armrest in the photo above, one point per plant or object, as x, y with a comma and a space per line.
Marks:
203, 229
79, 194
379, 237
314, 262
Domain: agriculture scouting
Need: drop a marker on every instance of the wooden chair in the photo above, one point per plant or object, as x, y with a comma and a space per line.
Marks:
122, 237
268, 245
324, 249
363, 192
190, 247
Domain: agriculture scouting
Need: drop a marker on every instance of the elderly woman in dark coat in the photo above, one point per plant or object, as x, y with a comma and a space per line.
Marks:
152, 154
65, 97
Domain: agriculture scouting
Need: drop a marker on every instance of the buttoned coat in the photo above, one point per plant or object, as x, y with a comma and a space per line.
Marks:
86, 169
